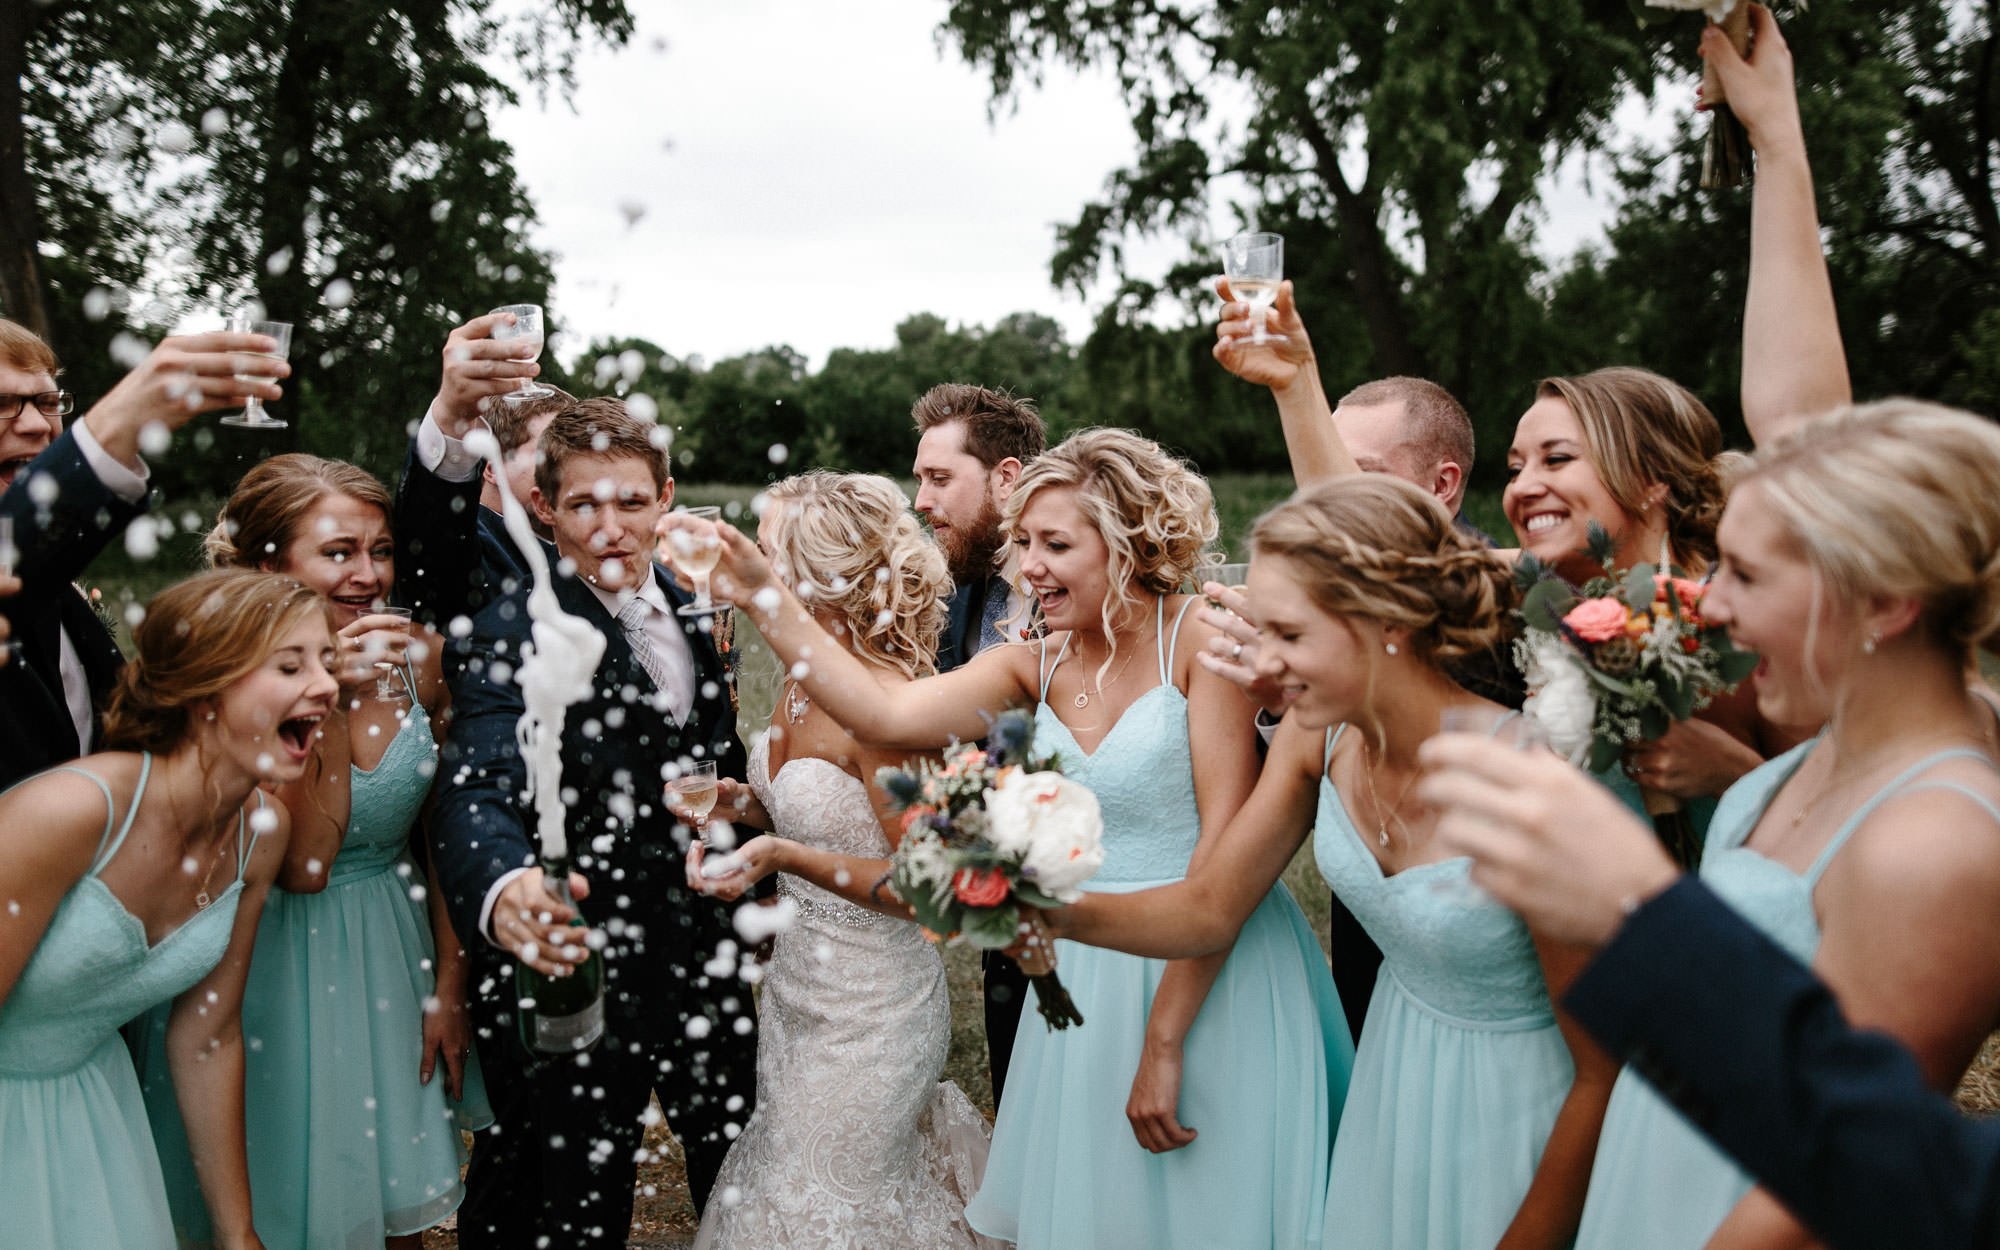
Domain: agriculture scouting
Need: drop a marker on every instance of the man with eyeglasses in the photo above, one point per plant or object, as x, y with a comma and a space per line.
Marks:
65, 493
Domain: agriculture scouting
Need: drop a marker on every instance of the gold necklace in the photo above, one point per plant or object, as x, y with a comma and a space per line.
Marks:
1384, 815
1083, 694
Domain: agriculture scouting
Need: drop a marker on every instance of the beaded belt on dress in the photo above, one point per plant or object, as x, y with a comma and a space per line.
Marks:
816, 904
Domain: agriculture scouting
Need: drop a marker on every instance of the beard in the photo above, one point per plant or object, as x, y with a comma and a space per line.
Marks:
970, 550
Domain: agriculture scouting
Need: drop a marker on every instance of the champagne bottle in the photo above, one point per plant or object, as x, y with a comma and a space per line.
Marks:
561, 1015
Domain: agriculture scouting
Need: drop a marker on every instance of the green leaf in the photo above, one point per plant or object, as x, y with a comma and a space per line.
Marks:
1545, 604
1025, 893
1604, 754
991, 928
1608, 682
1639, 587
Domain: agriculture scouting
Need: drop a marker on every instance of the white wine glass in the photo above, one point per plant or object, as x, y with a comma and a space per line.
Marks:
253, 415
1255, 265
695, 553
691, 793
527, 328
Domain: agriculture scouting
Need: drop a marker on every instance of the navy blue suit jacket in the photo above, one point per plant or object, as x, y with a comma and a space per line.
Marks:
1751, 1046
56, 540
614, 744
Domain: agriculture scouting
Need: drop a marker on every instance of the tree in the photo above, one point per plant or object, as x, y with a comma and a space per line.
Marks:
329, 157
1411, 134
1898, 114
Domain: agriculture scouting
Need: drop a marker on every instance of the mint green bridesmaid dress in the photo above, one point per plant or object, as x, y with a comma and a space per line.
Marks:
77, 1163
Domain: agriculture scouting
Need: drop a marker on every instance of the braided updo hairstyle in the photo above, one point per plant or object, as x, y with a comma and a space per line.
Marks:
197, 639
1374, 546
1897, 498
848, 541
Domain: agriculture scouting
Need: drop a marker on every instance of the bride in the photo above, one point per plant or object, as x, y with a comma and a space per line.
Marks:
854, 1142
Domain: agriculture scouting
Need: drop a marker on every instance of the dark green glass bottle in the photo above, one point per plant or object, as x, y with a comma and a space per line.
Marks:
561, 1015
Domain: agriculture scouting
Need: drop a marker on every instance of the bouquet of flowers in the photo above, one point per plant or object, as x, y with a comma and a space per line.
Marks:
1619, 663
989, 830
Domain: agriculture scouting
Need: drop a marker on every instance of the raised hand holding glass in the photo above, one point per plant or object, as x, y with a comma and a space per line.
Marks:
527, 328
253, 415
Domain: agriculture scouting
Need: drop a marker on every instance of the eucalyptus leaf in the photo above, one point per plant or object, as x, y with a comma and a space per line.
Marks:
992, 928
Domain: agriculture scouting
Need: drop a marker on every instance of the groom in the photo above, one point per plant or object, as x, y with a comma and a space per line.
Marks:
558, 1168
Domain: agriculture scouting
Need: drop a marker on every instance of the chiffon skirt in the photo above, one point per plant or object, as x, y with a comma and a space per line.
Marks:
1266, 1066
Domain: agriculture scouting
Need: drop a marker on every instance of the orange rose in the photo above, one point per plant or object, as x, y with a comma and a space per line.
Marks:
1597, 620
980, 887
911, 815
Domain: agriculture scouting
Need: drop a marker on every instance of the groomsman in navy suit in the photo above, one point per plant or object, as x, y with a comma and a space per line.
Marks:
67, 493
975, 443
558, 1168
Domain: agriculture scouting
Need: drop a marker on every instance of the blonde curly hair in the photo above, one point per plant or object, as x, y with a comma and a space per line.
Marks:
1373, 546
848, 541
1155, 514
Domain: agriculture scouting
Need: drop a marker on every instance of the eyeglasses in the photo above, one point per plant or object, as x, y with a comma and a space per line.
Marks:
51, 404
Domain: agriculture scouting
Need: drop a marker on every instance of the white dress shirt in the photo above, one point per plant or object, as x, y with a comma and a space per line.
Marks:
130, 485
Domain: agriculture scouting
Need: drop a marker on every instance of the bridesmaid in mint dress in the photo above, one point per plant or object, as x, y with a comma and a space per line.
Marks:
1858, 561
135, 877
358, 1078
1195, 1105
1472, 1112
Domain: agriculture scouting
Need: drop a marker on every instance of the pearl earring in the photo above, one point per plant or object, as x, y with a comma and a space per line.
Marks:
1391, 648
1869, 644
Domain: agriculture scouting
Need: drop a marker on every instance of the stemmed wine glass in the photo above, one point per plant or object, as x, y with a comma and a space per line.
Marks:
527, 328
1255, 265
692, 793
695, 553
253, 415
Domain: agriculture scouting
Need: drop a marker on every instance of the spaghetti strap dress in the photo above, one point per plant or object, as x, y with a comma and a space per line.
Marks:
79, 1164
1461, 1071
1266, 1059
346, 1146
1657, 1184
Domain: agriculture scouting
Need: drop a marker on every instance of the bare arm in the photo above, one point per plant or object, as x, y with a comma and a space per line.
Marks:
1291, 370
1553, 1206
1794, 367
49, 831
1226, 881
875, 706
205, 1054
1222, 742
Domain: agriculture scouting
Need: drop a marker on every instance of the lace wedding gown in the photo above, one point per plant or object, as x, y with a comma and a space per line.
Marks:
854, 1143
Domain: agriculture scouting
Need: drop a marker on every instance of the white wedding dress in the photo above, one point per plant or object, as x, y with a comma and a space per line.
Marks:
855, 1143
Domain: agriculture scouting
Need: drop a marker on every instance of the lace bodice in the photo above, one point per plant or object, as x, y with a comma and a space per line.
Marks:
93, 969
1142, 773
1451, 946
386, 799
821, 804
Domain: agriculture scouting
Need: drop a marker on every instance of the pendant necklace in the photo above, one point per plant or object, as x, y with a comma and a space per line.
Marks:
1384, 815
1083, 694
797, 703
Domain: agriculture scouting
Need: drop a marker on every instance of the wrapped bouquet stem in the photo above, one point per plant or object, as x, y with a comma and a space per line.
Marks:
1726, 160
988, 834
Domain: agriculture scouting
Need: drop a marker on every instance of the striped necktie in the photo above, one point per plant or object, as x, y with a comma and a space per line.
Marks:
632, 619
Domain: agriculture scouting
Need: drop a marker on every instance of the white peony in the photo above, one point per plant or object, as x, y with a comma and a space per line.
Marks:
1053, 824
1559, 698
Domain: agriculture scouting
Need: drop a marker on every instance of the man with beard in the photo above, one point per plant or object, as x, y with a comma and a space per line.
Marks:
975, 443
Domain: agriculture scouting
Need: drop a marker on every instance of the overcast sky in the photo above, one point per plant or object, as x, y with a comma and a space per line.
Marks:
792, 171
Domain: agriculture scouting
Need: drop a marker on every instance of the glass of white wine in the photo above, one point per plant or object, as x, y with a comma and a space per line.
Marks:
253, 415
692, 793
695, 552
527, 328
1255, 265
388, 687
